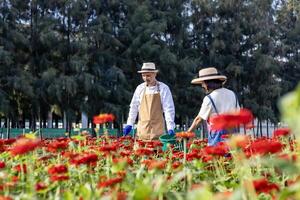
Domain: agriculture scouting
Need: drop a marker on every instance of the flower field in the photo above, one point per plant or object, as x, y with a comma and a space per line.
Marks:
105, 167
83, 167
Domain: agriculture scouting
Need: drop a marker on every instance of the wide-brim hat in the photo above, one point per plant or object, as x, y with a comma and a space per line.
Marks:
148, 67
209, 73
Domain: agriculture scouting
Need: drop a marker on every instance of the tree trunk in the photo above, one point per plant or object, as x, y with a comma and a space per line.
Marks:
84, 120
49, 120
65, 120
257, 128
267, 128
260, 124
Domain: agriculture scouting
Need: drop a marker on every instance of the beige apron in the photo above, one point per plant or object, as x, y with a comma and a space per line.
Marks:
151, 121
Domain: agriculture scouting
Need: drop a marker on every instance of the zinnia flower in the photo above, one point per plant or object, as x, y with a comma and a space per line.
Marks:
155, 164
40, 186
24, 145
176, 164
5, 198
108, 148
231, 120
185, 134
144, 152
110, 182
54, 178
263, 185
88, 159
103, 118
123, 160
240, 141
281, 132
57, 145
220, 149
2, 165
20, 168
57, 169
265, 146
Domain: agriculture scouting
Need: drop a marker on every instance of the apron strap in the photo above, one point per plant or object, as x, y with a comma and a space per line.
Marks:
144, 90
213, 104
236, 100
158, 88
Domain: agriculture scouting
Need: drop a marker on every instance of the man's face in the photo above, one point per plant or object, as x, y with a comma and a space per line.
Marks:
149, 77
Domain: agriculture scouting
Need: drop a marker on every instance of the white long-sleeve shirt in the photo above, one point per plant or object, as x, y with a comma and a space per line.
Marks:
166, 100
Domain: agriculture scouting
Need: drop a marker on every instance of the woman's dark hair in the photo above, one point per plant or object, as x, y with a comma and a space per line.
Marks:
214, 84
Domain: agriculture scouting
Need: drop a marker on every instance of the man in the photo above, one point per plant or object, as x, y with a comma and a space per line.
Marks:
217, 101
151, 100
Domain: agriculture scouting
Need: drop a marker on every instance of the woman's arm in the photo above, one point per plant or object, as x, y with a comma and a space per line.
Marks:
195, 123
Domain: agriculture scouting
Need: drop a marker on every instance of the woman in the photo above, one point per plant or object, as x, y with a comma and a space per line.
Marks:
217, 101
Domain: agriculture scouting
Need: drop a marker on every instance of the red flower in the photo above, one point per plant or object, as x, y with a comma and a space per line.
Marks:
20, 168
240, 141
153, 144
110, 182
45, 158
57, 169
265, 146
176, 164
103, 118
225, 136
57, 145
263, 185
2, 165
155, 164
40, 186
288, 157
54, 178
125, 153
5, 198
231, 120
185, 135
220, 149
177, 155
192, 155
88, 159
24, 145
123, 160
8, 141
144, 152
108, 148
281, 132
15, 179
121, 196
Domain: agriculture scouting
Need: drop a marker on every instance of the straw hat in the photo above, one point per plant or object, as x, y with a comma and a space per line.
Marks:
208, 74
148, 67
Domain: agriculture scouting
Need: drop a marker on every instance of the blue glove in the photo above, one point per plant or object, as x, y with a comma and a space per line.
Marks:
127, 130
171, 132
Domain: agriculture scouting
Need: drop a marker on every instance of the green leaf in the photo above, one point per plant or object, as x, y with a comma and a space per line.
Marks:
202, 193
85, 191
290, 108
68, 195
142, 191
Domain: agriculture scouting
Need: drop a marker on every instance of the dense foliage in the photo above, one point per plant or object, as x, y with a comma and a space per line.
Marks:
69, 56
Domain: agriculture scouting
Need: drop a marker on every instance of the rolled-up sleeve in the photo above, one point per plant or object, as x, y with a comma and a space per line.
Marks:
168, 108
134, 107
